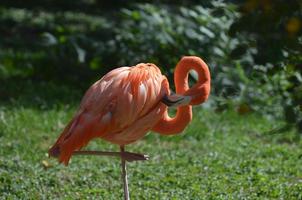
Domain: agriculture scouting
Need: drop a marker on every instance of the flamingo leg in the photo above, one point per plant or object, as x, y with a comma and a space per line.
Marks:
124, 175
125, 156
128, 156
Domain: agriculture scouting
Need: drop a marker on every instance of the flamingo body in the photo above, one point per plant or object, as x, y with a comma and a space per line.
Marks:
126, 103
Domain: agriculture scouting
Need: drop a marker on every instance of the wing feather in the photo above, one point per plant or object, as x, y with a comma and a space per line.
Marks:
116, 104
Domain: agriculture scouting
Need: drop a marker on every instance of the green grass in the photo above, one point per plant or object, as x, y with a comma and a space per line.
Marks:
219, 156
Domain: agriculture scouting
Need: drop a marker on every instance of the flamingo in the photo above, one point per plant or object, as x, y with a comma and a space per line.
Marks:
128, 102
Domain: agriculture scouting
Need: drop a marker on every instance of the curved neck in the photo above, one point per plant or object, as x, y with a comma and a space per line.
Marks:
201, 89
199, 93
170, 126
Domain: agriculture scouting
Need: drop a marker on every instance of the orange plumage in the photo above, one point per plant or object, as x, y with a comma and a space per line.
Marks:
127, 102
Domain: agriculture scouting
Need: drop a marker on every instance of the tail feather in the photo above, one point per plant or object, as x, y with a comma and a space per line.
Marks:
55, 151
68, 141
80, 130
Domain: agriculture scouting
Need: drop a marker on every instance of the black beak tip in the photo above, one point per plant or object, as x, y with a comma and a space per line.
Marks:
168, 102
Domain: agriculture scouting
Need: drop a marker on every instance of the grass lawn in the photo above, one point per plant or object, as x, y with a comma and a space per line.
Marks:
219, 156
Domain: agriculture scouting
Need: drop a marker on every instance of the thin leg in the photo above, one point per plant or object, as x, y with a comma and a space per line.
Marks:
124, 175
128, 156
125, 156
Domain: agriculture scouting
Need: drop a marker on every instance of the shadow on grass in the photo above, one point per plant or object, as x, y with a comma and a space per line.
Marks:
38, 94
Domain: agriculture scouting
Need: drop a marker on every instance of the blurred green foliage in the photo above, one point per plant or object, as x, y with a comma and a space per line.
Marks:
272, 32
253, 47
75, 46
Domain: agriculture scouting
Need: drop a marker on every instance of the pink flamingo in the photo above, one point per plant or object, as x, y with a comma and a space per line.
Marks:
128, 102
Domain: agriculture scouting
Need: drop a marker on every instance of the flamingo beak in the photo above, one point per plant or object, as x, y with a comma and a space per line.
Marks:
176, 100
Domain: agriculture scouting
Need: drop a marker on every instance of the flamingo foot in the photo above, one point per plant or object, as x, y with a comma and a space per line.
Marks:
130, 157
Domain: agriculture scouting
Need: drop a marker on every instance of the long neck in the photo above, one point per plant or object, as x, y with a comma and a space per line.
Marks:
199, 93
201, 89
173, 125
